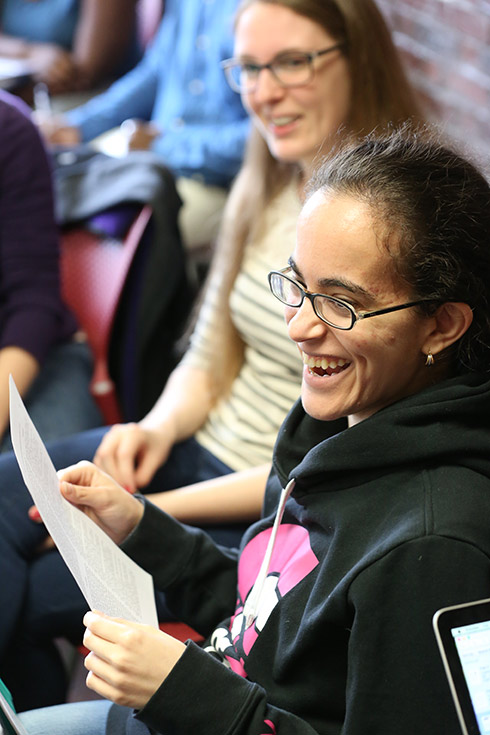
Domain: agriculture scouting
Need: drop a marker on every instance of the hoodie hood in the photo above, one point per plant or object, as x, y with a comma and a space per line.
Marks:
446, 424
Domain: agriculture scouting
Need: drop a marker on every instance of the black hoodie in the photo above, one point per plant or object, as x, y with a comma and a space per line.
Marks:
383, 524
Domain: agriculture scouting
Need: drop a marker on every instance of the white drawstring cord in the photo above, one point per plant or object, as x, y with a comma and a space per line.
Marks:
251, 606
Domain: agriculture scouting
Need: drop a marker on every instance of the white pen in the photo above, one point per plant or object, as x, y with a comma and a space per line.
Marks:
42, 100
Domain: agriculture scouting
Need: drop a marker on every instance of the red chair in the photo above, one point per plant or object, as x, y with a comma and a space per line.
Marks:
181, 631
94, 270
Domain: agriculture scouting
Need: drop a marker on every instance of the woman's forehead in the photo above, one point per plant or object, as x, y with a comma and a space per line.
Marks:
337, 213
267, 28
338, 237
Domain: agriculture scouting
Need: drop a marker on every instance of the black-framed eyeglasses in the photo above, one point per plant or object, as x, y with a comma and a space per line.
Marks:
334, 312
290, 69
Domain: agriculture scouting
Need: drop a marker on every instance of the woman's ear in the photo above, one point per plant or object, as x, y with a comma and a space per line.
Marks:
452, 320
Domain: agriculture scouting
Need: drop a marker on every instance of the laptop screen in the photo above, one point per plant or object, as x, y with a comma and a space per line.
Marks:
463, 636
473, 646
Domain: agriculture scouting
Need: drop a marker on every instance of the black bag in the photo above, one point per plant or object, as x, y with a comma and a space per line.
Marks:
157, 296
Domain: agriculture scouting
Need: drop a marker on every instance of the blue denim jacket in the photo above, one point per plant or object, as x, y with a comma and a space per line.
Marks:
180, 86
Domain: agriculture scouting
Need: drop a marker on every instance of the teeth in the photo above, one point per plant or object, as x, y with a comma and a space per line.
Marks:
322, 362
282, 120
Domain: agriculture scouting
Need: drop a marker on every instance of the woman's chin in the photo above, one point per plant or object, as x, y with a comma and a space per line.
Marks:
319, 410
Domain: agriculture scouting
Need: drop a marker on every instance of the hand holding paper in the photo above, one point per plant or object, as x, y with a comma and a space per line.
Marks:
101, 498
109, 580
129, 657
128, 661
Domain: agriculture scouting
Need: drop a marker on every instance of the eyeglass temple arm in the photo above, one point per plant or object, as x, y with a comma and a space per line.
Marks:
378, 312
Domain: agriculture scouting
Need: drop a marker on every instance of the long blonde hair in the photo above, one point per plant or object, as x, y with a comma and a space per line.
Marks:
381, 97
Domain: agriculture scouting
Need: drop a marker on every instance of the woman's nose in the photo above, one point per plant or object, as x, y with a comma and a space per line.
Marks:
267, 87
303, 323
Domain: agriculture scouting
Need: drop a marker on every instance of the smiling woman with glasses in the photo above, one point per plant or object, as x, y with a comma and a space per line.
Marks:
376, 509
325, 69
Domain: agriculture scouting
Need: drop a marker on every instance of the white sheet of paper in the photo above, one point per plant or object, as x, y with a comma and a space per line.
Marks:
113, 143
109, 580
13, 69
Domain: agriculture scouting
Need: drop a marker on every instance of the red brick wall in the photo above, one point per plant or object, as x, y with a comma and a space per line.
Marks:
446, 47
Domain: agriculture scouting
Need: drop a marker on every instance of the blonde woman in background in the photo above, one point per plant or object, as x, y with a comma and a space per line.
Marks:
310, 72
235, 380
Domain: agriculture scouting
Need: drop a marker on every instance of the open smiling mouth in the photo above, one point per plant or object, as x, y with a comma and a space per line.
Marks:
278, 122
324, 367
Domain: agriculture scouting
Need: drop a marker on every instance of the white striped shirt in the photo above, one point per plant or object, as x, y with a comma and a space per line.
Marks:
242, 427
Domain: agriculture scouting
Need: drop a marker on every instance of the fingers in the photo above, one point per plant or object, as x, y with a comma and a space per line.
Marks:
132, 454
102, 676
34, 514
128, 661
77, 483
54, 129
47, 544
77, 494
101, 498
113, 644
139, 134
119, 453
62, 135
85, 474
130, 126
101, 629
147, 466
92, 501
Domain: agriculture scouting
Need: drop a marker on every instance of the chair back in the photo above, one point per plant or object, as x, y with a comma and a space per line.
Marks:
94, 270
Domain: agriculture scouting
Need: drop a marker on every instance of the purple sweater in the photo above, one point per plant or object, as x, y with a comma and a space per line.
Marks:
32, 314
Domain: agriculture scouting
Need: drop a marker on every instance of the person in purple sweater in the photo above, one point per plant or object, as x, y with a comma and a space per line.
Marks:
51, 369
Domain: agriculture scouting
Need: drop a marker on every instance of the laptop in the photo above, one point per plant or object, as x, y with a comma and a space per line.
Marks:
463, 636
10, 724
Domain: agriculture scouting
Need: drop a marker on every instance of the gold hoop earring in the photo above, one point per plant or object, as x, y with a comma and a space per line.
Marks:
429, 360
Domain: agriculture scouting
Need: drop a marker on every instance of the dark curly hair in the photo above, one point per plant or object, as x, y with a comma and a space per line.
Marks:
434, 206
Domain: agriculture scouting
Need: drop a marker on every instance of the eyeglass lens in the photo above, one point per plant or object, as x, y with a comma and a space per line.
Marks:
334, 312
290, 70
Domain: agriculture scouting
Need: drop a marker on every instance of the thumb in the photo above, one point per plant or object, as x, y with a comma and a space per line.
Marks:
76, 494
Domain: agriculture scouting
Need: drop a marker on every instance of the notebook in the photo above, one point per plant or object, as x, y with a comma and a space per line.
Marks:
463, 636
9, 722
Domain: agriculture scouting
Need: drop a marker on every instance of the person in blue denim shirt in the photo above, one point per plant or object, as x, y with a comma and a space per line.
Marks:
181, 106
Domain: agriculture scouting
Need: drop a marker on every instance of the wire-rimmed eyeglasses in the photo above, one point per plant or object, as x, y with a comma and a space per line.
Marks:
290, 69
334, 312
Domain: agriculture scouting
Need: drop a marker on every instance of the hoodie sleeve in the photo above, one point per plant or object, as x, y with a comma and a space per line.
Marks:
198, 576
202, 695
396, 681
